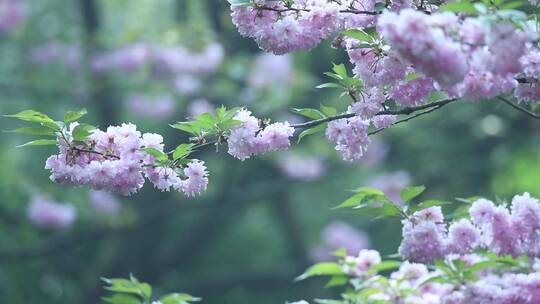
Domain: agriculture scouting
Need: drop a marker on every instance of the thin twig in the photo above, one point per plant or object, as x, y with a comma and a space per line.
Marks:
409, 118
520, 108
404, 111
298, 10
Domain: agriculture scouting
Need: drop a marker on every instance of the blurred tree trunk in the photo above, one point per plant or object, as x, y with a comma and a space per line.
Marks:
100, 89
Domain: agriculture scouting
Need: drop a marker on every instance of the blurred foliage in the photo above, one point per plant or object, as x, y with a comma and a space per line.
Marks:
249, 235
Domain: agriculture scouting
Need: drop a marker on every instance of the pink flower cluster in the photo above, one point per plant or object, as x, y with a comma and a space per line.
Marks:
391, 184
302, 168
269, 70
422, 41
148, 106
114, 160
402, 286
249, 139
164, 60
104, 202
338, 235
280, 30
55, 52
465, 57
128, 58
12, 14
530, 92
502, 230
411, 282
44, 212
350, 137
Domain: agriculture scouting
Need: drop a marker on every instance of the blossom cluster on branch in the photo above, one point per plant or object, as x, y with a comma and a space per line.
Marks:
404, 53
489, 256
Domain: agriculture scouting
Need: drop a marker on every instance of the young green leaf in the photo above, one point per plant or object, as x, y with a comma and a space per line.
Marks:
358, 34
131, 286
309, 113
187, 126
338, 280
178, 298
239, 2
311, 131
328, 111
122, 299
39, 142
409, 193
34, 131
464, 6
72, 116
321, 269
160, 156
182, 151
82, 131
37, 117
340, 70
426, 204
327, 85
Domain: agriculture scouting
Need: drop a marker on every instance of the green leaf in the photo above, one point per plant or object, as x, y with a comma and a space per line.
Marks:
182, 151
34, 131
429, 203
72, 116
340, 70
159, 155
321, 269
381, 210
239, 2
328, 111
340, 253
82, 131
122, 299
358, 34
187, 126
459, 7
309, 113
178, 298
384, 266
329, 301
481, 266
334, 76
131, 286
379, 7
39, 142
362, 194
327, 85
413, 76
311, 131
436, 279
35, 116
206, 121
337, 281
226, 125
409, 193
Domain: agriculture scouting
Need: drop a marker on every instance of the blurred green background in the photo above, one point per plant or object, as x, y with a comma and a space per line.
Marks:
262, 221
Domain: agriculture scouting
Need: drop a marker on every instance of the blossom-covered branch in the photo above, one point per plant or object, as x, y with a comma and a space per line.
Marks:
487, 253
404, 111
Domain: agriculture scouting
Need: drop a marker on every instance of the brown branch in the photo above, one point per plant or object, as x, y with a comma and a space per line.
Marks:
298, 10
409, 118
95, 152
520, 108
404, 111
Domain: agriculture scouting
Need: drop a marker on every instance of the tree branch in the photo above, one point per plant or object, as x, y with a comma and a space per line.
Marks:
520, 108
404, 111
409, 118
298, 10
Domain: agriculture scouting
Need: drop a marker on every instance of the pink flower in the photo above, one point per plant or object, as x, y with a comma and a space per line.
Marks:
46, 213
